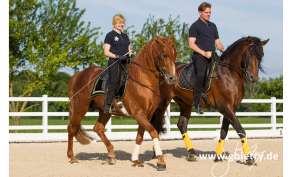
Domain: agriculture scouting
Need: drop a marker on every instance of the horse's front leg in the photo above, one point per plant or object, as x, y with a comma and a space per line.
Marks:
223, 134
136, 150
242, 134
144, 122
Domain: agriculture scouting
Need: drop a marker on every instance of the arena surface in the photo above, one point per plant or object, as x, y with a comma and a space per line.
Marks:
49, 160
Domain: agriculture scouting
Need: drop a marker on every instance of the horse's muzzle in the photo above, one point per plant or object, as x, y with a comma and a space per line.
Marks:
252, 78
170, 79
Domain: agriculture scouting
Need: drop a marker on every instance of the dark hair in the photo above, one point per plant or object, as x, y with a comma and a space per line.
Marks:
203, 6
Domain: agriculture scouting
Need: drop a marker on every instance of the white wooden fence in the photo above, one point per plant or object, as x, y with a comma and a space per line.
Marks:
272, 129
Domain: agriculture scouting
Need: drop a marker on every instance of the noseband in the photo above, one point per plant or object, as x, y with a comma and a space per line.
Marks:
245, 66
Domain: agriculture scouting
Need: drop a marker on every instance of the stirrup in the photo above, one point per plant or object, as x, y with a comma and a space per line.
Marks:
107, 110
205, 97
122, 108
199, 110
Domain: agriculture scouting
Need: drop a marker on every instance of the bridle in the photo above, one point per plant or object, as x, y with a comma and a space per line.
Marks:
246, 74
159, 71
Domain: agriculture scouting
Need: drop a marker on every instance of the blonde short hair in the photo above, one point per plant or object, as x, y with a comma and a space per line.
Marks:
118, 18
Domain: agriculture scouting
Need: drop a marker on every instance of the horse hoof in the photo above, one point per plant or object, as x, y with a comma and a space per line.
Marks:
137, 163
218, 158
111, 160
161, 167
73, 160
250, 160
192, 156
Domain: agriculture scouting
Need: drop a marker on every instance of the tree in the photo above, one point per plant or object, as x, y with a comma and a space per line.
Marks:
264, 89
161, 27
45, 36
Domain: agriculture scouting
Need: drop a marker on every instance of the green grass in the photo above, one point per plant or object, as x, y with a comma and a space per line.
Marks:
131, 121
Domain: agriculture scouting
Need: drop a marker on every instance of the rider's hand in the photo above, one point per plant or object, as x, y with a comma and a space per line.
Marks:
208, 54
124, 57
130, 52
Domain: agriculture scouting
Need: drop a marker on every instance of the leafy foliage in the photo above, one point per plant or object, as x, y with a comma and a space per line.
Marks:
161, 27
47, 35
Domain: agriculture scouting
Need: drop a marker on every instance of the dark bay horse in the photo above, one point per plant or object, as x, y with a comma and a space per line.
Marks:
154, 64
240, 63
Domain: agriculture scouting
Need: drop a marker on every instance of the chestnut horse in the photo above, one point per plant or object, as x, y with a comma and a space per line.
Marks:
240, 63
154, 64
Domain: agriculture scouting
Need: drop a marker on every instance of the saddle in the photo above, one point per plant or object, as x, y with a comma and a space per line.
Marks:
187, 76
101, 80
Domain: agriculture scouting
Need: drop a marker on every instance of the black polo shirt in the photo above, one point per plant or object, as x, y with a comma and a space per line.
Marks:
205, 34
118, 42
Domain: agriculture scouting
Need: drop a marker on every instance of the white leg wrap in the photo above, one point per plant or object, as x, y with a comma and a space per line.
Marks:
136, 152
157, 147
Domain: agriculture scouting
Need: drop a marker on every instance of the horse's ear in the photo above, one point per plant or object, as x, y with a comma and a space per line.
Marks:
264, 42
157, 39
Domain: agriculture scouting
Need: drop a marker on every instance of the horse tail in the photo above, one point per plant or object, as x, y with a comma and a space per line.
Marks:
74, 124
158, 121
82, 137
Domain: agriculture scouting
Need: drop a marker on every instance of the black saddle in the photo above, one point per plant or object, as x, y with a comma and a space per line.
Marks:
100, 83
186, 77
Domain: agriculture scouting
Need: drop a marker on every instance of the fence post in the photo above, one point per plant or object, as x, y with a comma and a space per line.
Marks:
221, 119
273, 112
168, 119
108, 126
45, 114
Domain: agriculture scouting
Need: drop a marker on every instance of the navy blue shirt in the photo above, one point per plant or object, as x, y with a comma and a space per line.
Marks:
205, 34
119, 43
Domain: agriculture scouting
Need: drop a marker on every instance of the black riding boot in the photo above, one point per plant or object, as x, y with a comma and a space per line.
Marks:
109, 97
200, 70
198, 97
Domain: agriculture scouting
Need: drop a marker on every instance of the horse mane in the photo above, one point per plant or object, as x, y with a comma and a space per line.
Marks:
256, 48
147, 50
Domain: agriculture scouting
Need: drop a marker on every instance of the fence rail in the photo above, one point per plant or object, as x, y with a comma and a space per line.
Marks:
273, 129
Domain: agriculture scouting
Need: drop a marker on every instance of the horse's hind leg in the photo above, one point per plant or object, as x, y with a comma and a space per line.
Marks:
185, 113
99, 128
70, 152
73, 127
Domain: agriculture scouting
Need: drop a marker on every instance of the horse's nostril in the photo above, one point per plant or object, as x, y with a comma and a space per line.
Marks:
172, 78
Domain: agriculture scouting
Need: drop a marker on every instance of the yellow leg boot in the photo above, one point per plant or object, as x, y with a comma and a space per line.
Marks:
219, 150
220, 147
246, 150
187, 141
192, 156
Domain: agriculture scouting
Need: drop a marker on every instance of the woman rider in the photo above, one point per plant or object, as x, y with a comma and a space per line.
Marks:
116, 47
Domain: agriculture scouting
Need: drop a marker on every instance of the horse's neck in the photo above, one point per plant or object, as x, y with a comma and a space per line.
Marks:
145, 68
234, 59
232, 69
